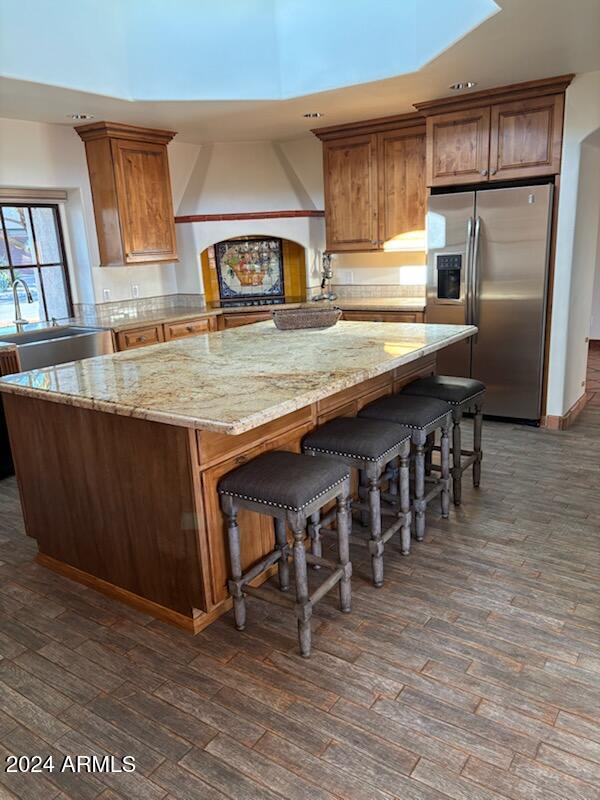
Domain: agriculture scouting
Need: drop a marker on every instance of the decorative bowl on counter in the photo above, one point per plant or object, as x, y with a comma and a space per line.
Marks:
294, 319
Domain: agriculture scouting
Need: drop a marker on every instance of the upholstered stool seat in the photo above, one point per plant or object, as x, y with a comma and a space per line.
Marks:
289, 488
283, 479
380, 450
422, 416
463, 394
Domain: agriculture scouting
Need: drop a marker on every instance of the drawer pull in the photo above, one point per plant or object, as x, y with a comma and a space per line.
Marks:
189, 328
141, 338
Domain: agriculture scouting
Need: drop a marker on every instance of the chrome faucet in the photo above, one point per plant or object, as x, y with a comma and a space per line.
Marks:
327, 292
19, 321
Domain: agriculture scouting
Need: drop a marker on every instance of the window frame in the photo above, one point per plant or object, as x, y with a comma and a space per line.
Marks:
10, 267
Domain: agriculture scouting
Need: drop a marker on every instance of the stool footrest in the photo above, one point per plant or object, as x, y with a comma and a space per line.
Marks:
327, 585
320, 561
271, 596
258, 569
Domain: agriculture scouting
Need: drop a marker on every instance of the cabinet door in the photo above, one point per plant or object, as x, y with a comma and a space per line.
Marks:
256, 530
401, 174
458, 147
145, 203
350, 169
526, 138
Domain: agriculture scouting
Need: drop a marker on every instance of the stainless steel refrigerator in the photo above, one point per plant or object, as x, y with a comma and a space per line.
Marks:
488, 266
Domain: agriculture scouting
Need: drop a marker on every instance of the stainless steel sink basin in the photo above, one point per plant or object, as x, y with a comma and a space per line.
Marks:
45, 334
56, 345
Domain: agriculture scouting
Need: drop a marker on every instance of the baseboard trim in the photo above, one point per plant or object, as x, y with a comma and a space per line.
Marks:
555, 423
193, 624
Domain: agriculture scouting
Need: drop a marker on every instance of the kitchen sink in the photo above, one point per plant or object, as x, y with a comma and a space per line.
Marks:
56, 345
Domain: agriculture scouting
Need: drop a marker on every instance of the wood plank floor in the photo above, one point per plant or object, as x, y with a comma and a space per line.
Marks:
473, 674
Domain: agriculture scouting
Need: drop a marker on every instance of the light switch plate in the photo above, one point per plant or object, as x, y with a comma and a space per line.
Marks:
106, 295
135, 290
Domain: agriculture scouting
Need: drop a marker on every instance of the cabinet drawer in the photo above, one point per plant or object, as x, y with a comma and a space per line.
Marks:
235, 320
188, 327
382, 316
140, 337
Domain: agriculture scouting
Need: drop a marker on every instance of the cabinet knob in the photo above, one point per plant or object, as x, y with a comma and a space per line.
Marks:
493, 171
141, 338
189, 328
484, 172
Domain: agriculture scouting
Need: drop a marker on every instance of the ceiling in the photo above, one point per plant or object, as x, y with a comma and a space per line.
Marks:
526, 40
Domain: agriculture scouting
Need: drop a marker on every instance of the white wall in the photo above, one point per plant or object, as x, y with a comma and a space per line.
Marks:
242, 177
41, 156
576, 244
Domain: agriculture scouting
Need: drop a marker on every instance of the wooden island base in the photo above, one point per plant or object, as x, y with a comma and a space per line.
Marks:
130, 507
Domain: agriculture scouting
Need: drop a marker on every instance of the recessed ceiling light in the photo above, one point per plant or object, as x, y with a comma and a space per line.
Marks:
312, 115
458, 87
81, 116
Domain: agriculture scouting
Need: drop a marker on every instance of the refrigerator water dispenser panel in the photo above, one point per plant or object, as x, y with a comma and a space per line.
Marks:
448, 269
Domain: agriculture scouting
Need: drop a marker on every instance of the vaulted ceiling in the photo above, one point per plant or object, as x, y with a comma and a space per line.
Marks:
249, 69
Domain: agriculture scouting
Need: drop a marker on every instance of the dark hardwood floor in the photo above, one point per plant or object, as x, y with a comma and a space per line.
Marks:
473, 674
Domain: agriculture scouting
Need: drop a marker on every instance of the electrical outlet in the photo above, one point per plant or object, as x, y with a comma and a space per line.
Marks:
106, 295
135, 290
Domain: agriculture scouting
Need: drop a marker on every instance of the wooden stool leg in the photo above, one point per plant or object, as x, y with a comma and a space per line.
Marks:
314, 531
405, 500
344, 523
445, 475
419, 502
429, 452
375, 544
283, 566
233, 535
363, 483
303, 604
456, 458
477, 424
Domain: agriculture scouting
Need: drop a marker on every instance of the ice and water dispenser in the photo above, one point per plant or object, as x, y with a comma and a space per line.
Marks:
448, 269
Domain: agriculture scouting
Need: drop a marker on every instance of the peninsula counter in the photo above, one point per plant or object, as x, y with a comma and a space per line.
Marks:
118, 457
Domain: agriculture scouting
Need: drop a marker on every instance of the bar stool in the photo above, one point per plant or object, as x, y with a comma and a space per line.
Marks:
463, 394
288, 487
373, 447
422, 416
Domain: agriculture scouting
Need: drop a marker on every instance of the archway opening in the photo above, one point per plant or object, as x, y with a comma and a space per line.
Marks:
254, 270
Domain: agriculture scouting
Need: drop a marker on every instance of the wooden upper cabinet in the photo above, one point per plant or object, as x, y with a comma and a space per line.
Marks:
131, 190
499, 134
401, 171
526, 138
458, 147
350, 171
374, 181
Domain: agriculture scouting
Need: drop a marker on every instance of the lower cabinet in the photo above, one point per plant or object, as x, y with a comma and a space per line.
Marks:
153, 334
257, 529
384, 316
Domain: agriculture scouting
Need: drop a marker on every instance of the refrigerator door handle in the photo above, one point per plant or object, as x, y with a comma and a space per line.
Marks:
469, 270
474, 274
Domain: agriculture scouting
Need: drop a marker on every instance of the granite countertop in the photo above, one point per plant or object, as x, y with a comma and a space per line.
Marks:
126, 320
238, 379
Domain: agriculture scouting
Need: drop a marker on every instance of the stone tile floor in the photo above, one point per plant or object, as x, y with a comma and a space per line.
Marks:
473, 674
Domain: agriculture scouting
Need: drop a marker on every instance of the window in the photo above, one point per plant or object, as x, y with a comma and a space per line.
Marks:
31, 248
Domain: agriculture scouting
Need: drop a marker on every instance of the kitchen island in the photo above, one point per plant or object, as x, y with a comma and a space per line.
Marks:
118, 457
